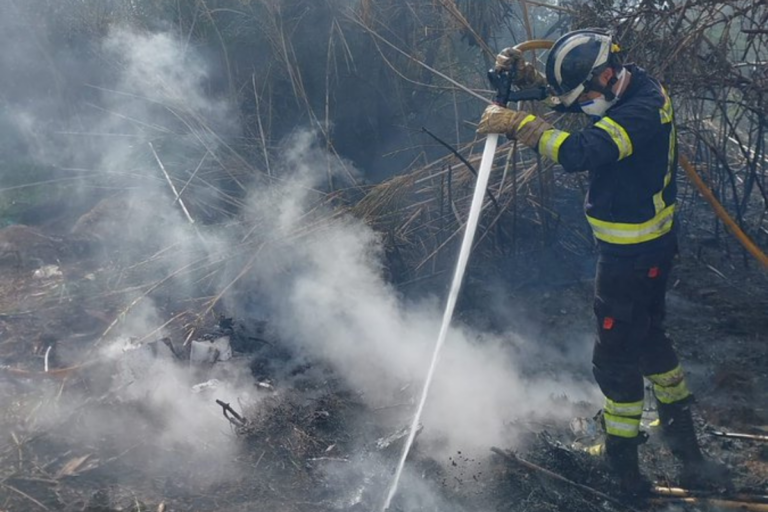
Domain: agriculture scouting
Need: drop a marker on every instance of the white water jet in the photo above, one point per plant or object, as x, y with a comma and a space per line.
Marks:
466, 247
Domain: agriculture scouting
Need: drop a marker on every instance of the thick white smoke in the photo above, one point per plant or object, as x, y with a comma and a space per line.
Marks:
151, 91
321, 271
333, 301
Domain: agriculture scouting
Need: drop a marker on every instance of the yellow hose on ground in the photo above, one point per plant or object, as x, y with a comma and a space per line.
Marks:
749, 245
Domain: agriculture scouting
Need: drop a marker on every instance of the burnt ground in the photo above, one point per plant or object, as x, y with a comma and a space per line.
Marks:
309, 442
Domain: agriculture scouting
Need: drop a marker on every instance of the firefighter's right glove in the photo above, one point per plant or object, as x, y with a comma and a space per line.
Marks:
524, 74
515, 124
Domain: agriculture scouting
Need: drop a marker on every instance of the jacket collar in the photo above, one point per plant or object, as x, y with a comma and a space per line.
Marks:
639, 78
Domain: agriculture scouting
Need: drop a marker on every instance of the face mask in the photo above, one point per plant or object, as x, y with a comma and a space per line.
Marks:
597, 107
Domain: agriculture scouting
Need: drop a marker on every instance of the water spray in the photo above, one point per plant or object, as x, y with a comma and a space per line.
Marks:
502, 83
466, 247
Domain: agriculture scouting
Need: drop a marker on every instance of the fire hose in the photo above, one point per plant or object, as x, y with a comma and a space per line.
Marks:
734, 228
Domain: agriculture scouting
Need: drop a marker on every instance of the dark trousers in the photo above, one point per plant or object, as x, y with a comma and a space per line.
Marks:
631, 343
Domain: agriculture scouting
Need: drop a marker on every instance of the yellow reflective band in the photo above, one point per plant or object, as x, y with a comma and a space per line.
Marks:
527, 119
621, 426
658, 198
671, 394
666, 112
623, 408
618, 134
625, 233
670, 387
667, 116
671, 378
550, 142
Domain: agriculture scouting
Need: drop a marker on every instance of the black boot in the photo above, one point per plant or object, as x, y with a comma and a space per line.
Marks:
621, 454
698, 472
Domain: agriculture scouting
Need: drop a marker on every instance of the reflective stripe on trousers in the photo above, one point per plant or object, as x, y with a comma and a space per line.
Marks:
670, 387
622, 426
622, 419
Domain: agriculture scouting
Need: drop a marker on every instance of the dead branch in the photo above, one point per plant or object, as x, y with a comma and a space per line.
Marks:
24, 495
232, 416
735, 435
713, 502
551, 474
464, 161
429, 68
678, 492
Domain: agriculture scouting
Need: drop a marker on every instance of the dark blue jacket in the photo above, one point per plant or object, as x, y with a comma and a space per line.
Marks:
631, 156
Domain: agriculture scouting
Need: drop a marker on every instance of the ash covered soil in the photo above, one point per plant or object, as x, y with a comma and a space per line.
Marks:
99, 434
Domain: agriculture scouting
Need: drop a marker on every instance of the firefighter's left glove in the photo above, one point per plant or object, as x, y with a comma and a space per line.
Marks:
524, 73
515, 124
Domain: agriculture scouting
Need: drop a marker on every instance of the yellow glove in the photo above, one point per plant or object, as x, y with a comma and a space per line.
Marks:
515, 124
525, 75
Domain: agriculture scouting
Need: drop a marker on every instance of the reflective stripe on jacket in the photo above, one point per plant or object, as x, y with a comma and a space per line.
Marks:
631, 154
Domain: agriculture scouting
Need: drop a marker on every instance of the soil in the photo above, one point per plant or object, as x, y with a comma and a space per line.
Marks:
27, 247
311, 443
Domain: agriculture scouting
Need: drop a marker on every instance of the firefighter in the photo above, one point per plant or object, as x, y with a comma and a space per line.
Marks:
630, 151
